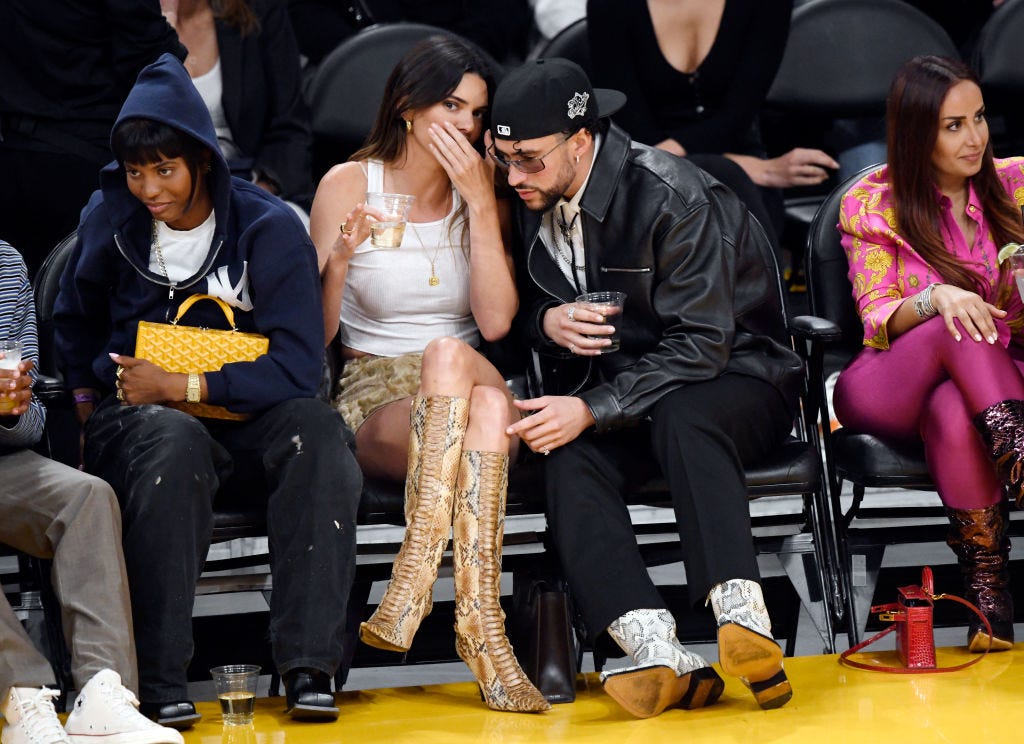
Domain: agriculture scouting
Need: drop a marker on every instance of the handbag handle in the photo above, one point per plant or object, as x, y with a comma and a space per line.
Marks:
190, 301
844, 658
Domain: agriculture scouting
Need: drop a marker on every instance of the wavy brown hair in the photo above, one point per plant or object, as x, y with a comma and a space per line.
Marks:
912, 115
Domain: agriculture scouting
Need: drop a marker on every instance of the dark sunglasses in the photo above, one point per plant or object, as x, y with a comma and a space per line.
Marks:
523, 165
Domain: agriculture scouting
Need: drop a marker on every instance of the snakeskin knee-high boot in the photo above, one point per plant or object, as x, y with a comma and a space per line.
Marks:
746, 648
1002, 428
438, 427
480, 639
982, 547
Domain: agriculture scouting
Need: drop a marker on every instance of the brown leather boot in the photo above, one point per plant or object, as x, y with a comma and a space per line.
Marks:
1002, 428
437, 428
479, 621
979, 539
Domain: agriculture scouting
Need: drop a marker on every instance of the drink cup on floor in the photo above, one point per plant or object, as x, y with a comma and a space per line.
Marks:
10, 358
388, 232
236, 691
610, 305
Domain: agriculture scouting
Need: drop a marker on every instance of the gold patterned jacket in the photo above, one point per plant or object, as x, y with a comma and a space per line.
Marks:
885, 269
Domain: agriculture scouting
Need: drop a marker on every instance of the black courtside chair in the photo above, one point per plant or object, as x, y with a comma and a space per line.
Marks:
997, 61
348, 85
863, 460
571, 42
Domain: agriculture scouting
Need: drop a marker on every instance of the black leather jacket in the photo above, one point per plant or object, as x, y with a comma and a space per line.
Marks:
703, 296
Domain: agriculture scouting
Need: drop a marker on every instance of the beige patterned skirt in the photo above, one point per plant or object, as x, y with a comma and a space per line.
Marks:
369, 382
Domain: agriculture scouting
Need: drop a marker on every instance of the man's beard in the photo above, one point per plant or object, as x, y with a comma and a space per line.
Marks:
550, 198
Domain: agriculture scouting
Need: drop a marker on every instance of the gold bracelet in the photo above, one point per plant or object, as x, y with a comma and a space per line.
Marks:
193, 391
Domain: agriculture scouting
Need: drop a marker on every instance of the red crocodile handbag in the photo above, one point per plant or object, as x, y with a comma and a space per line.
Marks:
911, 618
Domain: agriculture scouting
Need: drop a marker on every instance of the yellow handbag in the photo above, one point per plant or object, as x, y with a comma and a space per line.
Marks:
184, 349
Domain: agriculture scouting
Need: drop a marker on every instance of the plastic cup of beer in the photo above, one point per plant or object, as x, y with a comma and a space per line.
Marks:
1017, 269
610, 305
10, 358
236, 691
388, 232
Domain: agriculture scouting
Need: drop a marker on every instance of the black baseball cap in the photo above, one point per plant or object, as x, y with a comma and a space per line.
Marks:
549, 95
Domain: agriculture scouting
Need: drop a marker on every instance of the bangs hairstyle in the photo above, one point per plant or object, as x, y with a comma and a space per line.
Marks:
145, 141
426, 75
912, 115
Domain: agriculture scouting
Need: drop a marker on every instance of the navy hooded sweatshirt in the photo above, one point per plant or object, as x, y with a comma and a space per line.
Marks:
261, 261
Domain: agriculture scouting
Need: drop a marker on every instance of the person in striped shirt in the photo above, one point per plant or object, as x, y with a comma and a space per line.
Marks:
49, 510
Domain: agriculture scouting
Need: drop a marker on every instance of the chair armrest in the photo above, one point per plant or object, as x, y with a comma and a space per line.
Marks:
51, 391
813, 328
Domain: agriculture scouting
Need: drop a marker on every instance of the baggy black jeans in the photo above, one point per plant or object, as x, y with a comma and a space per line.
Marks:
169, 469
700, 437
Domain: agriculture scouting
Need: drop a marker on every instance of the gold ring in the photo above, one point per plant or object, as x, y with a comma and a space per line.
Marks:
120, 394
347, 232
120, 372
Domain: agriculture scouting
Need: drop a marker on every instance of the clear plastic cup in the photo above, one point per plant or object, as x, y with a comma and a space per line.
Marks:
236, 691
1017, 269
610, 305
10, 358
388, 232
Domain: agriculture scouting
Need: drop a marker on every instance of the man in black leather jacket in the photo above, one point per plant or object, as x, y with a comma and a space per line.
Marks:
704, 380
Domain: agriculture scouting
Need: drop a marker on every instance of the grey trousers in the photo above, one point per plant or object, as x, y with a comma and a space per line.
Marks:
51, 511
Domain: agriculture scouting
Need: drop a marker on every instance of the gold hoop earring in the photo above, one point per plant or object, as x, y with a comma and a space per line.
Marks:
408, 125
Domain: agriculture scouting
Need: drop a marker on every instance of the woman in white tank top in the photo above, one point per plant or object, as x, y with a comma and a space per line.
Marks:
441, 424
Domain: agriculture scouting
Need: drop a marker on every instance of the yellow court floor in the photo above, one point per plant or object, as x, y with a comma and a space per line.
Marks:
831, 703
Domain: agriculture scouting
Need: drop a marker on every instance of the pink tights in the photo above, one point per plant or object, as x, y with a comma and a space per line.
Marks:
929, 386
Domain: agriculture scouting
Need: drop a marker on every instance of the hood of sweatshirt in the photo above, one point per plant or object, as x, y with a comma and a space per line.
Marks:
164, 92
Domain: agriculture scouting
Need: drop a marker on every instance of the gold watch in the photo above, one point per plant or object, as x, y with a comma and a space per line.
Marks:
193, 392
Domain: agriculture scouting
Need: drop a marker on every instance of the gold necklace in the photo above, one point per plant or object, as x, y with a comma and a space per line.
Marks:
434, 280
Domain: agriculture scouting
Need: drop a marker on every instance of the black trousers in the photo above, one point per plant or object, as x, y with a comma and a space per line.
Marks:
169, 469
700, 436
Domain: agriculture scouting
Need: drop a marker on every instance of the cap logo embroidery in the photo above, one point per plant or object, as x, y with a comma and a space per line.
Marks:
503, 130
578, 105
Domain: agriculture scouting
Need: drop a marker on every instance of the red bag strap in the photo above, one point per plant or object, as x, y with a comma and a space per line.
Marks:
926, 585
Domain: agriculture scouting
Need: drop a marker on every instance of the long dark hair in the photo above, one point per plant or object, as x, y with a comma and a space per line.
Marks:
140, 141
912, 114
426, 75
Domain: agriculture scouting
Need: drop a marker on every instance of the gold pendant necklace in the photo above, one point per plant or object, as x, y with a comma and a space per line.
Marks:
433, 281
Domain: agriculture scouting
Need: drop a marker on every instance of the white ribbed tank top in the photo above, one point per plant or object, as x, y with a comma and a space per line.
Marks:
389, 307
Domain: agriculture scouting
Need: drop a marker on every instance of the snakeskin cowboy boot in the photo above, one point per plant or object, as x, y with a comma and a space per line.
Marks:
437, 428
664, 674
982, 547
1002, 428
746, 648
480, 639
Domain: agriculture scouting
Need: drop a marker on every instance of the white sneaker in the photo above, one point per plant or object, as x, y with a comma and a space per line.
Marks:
30, 717
106, 712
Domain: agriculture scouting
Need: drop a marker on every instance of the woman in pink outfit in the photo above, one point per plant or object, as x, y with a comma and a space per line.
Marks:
944, 361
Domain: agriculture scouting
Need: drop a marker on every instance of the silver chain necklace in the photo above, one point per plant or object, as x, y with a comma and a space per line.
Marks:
160, 261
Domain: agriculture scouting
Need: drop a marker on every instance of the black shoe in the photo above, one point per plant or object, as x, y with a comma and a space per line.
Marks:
180, 715
308, 695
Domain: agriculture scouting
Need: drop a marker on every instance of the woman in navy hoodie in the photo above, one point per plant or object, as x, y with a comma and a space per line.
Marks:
169, 222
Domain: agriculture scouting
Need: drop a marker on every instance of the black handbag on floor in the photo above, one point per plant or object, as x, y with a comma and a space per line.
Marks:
547, 650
